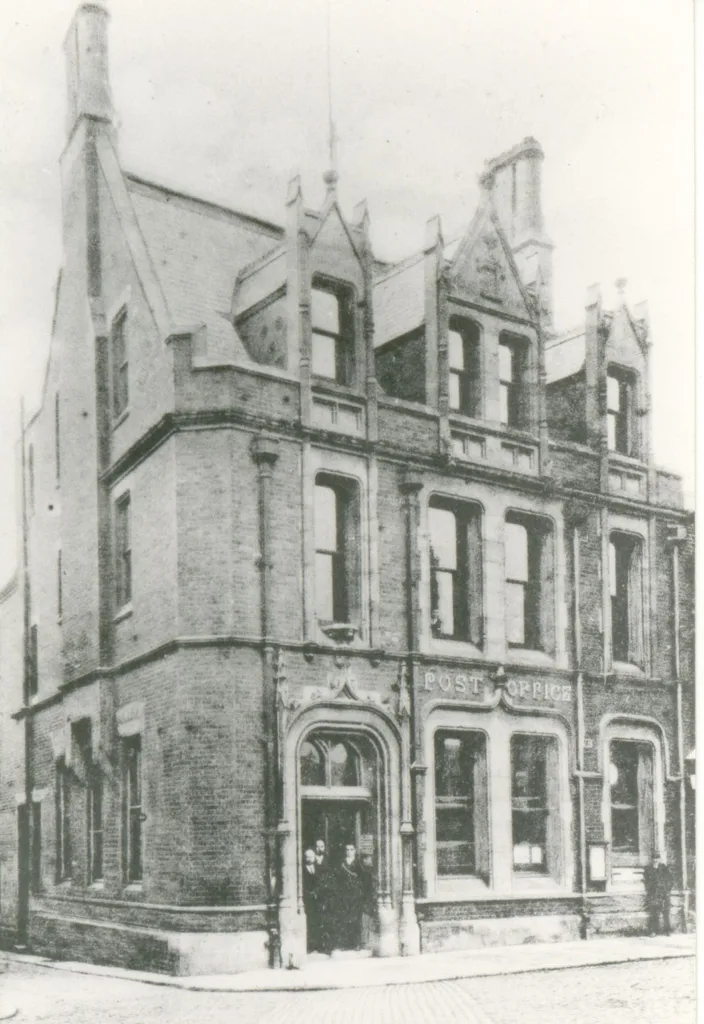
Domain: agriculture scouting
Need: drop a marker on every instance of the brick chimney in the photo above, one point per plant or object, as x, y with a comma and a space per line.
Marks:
86, 49
514, 182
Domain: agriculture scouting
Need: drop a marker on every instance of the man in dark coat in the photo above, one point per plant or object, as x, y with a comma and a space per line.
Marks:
312, 900
352, 891
657, 878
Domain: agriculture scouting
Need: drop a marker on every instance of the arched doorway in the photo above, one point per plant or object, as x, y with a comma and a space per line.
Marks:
342, 800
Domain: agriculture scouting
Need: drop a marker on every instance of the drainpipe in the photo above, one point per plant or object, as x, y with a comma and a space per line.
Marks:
675, 541
577, 626
25, 820
265, 453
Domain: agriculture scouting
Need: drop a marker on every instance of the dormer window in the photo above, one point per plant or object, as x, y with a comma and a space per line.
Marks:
333, 332
463, 359
619, 406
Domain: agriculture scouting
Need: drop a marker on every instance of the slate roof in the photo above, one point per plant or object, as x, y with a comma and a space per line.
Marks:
399, 300
564, 355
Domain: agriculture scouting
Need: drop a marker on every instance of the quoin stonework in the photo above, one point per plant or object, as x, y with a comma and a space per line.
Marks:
319, 546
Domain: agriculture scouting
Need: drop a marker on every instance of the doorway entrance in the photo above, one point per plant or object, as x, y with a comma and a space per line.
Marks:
339, 814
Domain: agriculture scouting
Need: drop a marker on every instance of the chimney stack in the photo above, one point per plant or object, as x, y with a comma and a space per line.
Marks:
86, 49
514, 182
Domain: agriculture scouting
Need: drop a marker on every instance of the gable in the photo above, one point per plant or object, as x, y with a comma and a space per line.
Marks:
332, 251
483, 269
623, 345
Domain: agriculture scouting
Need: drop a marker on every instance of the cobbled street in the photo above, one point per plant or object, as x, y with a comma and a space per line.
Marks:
649, 992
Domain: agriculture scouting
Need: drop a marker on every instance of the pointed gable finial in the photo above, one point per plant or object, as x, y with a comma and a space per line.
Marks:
330, 176
295, 190
621, 283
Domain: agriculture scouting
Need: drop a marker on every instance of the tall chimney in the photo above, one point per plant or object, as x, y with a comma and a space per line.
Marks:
514, 181
86, 49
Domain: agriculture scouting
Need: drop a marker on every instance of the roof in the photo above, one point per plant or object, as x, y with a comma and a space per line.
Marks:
399, 300
196, 248
564, 355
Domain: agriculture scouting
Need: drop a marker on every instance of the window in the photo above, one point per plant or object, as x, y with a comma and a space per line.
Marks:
59, 588
57, 440
461, 804
334, 761
133, 817
529, 583
512, 396
535, 805
36, 865
118, 352
33, 661
464, 365
95, 826
632, 806
123, 552
333, 333
337, 550
455, 570
63, 822
619, 401
626, 591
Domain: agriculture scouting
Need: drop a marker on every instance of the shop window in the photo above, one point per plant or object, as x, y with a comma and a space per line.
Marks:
337, 550
63, 821
513, 397
332, 316
529, 563
464, 367
461, 804
123, 552
455, 570
619, 405
632, 806
119, 364
626, 593
132, 812
535, 804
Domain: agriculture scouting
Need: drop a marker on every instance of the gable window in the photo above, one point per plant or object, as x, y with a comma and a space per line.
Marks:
619, 403
132, 808
632, 805
513, 407
626, 593
333, 332
529, 582
461, 804
464, 366
123, 552
63, 821
119, 365
535, 804
337, 550
455, 570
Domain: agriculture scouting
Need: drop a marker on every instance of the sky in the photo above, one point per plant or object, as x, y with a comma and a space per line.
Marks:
227, 100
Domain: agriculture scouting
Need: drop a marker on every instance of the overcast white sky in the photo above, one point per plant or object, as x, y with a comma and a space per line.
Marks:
227, 100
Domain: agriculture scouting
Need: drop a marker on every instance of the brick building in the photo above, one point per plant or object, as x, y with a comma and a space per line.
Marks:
319, 546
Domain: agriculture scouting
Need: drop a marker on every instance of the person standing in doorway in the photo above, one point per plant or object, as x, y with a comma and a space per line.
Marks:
353, 897
324, 933
311, 900
657, 878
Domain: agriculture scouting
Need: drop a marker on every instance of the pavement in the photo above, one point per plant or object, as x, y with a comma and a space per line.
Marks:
343, 973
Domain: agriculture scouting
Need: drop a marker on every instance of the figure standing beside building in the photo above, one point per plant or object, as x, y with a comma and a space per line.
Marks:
657, 879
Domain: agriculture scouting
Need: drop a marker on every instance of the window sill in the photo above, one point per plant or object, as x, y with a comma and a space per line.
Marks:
96, 886
453, 648
529, 656
123, 613
625, 668
328, 386
535, 881
119, 420
134, 888
461, 888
